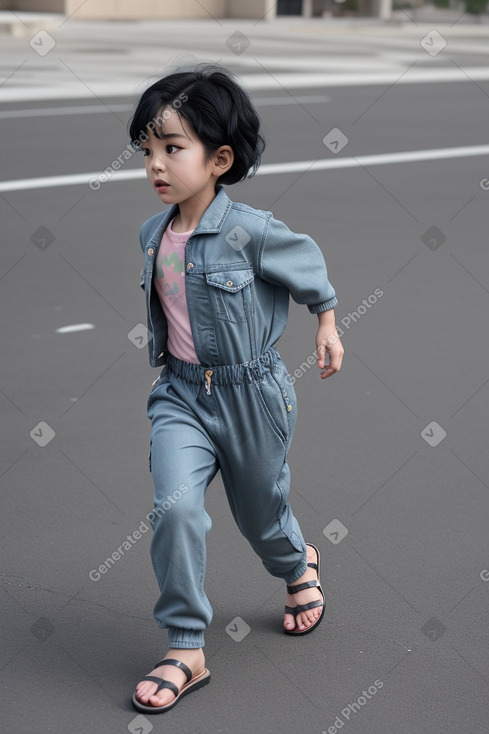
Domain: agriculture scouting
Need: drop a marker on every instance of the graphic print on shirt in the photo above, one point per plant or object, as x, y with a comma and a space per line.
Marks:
163, 270
167, 262
171, 292
169, 281
178, 264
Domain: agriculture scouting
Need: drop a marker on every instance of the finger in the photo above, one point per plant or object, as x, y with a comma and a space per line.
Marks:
327, 373
331, 369
321, 352
335, 360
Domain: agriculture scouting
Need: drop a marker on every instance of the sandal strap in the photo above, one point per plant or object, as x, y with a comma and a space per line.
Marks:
290, 610
306, 607
300, 587
177, 664
313, 565
162, 683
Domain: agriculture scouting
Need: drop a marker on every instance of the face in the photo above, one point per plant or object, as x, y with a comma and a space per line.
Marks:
176, 162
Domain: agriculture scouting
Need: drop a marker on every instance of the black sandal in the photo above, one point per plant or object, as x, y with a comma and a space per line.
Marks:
192, 684
312, 605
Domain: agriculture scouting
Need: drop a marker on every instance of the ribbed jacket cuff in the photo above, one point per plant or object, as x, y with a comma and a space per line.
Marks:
325, 306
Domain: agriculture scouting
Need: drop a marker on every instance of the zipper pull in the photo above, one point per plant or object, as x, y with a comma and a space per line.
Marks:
208, 374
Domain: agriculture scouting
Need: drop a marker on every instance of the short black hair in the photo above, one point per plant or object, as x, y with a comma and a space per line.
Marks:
219, 110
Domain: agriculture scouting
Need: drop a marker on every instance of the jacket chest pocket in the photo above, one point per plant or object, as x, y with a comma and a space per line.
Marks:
230, 294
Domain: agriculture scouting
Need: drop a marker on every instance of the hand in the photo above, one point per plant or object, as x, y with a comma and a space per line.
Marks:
328, 342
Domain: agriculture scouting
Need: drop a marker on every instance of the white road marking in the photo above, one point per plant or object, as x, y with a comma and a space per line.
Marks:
271, 101
100, 109
409, 156
73, 179
273, 81
74, 327
325, 79
57, 111
267, 169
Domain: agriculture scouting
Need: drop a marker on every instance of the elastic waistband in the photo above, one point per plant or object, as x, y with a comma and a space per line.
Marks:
225, 374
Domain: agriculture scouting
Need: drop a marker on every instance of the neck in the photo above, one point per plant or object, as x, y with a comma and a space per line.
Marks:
191, 211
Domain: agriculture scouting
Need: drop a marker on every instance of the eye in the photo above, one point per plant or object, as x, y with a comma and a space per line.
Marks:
145, 151
172, 148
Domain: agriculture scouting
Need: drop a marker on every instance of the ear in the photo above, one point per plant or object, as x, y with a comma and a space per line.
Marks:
223, 159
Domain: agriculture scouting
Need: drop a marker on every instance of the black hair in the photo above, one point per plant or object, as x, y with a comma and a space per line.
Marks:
219, 110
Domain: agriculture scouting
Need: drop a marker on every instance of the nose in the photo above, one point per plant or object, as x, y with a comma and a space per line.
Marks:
157, 167
157, 162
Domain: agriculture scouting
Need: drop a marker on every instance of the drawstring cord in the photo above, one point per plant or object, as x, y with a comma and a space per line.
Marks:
208, 375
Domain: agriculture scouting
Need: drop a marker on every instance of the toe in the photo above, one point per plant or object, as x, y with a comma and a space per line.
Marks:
162, 698
307, 618
289, 622
144, 691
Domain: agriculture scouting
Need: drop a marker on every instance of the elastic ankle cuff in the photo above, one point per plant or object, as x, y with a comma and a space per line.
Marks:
182, 638
298, 571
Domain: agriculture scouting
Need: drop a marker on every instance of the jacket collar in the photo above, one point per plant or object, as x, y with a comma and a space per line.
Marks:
212, 219
215, 214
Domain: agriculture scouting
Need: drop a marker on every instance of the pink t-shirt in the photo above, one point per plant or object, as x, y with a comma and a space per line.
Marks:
170, 286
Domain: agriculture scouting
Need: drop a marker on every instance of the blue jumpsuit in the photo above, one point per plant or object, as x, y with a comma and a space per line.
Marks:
235, 411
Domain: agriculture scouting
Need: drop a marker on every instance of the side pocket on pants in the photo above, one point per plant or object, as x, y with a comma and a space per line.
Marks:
286, 520
272, 405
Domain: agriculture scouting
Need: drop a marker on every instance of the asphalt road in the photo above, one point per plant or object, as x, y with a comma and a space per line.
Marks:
389, 463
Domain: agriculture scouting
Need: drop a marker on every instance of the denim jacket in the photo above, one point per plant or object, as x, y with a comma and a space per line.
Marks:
241, 265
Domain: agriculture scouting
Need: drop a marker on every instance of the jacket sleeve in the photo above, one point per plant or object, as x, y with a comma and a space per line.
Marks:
296, 262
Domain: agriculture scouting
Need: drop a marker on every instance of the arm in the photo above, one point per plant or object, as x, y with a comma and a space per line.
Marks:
296, 262
328, 342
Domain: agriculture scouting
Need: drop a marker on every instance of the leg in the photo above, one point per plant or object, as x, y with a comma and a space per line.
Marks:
258, 422
183, 463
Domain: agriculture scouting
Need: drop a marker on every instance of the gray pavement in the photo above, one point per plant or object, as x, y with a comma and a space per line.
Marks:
390, 472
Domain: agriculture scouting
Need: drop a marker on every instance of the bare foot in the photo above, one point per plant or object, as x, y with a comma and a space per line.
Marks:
304, 619
146, 690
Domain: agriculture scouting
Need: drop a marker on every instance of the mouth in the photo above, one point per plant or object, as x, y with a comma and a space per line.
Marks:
161, 185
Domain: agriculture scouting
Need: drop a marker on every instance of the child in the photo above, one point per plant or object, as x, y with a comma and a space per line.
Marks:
217, 278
